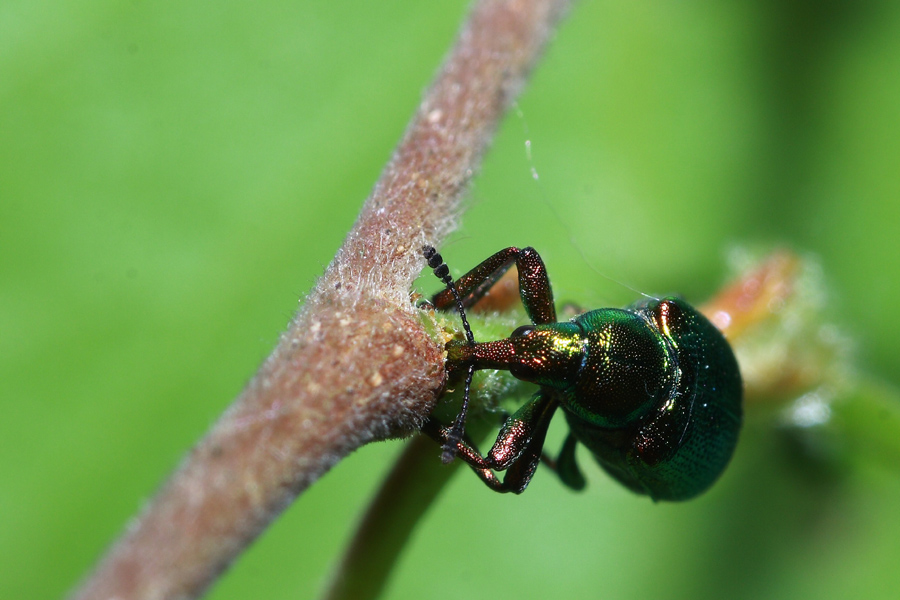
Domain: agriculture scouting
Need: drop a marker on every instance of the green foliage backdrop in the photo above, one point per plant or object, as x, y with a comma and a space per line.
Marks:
174, 176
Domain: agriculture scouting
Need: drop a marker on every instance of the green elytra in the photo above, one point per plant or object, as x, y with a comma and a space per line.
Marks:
652, 390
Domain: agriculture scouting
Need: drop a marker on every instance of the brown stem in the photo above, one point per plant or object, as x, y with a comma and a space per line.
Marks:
356, 364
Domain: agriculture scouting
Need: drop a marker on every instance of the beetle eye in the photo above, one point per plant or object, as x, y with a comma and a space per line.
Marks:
522, 331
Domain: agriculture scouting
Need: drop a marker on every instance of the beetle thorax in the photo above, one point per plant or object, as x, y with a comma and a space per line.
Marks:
629, 369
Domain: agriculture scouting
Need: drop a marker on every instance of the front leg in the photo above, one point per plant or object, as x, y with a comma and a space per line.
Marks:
534, 284
517, 449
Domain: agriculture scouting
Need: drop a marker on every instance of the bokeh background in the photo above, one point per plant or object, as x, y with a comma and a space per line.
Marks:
174, 176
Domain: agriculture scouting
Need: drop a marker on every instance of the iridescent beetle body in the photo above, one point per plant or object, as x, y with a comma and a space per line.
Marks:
652, 390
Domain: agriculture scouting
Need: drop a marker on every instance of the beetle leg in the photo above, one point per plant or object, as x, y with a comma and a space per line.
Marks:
466, 451
516, 451
520, 472
534, 285
566, 466
521, 431
476, 283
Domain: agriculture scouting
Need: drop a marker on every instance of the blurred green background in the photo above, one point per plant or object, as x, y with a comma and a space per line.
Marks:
174, 176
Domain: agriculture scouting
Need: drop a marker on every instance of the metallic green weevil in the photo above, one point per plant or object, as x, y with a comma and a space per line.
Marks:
652, 390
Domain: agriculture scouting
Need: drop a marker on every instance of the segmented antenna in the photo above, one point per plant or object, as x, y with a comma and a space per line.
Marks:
455, 433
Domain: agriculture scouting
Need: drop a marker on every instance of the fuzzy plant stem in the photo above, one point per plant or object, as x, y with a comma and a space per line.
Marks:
356, 364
